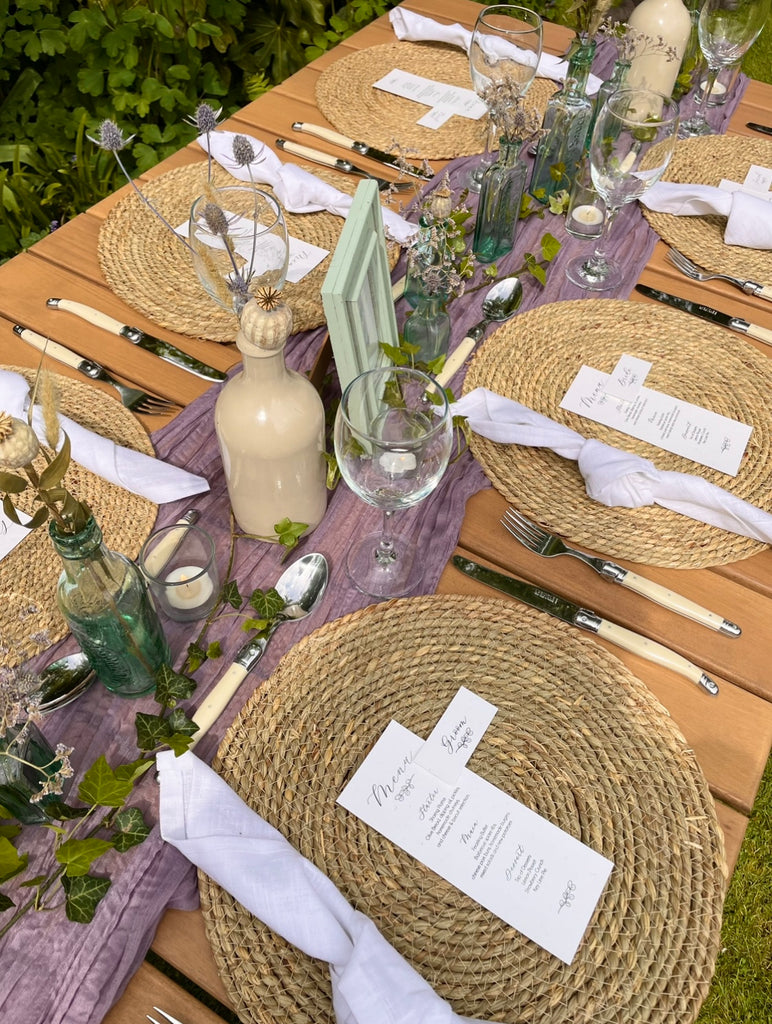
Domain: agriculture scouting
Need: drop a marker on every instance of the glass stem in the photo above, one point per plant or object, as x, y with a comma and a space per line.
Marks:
385, 554
702, 106
601, 247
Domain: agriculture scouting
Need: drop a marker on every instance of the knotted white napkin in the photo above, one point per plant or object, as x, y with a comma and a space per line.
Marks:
749, 217
612, 476
134, 471
416, 28
297, 190
207, 822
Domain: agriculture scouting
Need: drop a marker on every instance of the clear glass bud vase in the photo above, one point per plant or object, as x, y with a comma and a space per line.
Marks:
501, 192
428, 327
566, 122
105, 602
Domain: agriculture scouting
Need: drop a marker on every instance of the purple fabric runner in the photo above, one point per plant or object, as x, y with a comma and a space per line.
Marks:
55, 972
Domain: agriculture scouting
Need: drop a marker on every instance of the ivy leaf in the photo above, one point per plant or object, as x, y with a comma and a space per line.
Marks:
172, 687
77, 855
178, 742
61, 811
259, 624
5, 902
82, 896
230, 595
214, 650
11, 861
333, 470
397, 355
101, 786
134, 770
289, 533
267, 603
152, 731
9, 831
195, 658
129, 828
550, 247
178, 721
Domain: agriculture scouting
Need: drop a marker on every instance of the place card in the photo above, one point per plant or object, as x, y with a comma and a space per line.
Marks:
626, 379
454, 738
535, 877
10, 533
675, 426
443, 100
758, 182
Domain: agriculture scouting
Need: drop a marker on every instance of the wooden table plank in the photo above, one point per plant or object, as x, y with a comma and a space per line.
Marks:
149, 988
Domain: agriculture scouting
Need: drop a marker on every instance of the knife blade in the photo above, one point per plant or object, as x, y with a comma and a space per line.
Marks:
390, 159
575, 615
714, 316
763, 128
163, 349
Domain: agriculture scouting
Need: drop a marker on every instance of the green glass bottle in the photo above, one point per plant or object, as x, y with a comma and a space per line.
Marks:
105, 602
566, 123
501, 191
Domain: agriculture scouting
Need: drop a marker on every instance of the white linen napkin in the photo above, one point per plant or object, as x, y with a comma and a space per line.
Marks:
613, 477
749, 217
134, 471
297, 190
416, 28
207, 822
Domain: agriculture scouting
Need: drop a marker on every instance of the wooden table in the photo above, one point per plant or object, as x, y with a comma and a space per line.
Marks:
732, 743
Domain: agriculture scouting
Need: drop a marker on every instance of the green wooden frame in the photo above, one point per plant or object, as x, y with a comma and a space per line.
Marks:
356, 293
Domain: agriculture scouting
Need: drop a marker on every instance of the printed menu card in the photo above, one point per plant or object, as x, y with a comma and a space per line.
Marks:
527, 871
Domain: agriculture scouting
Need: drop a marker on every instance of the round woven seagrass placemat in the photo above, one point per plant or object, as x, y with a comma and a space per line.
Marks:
534, 358
576, 738
705, 161
346, 97
29, 574
152, 272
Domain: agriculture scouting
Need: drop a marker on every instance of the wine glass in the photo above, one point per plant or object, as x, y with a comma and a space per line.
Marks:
393, 436
239, 242
506, 43
632, 143
727, 29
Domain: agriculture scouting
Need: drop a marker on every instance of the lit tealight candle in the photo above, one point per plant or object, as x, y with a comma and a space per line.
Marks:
589, 215
182, 594
717, 91
397, 462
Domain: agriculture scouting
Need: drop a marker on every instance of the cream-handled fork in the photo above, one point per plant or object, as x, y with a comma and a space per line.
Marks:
541, 542
690, 269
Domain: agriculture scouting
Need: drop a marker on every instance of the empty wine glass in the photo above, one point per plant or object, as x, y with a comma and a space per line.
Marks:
506, 43
727, 29
393, 436
632, 143
239, 241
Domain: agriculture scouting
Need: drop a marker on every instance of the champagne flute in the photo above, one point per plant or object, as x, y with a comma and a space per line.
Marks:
393, 436
506, 44
239, 242
631, 146
727, 29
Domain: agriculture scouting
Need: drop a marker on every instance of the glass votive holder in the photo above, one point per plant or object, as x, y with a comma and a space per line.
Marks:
178, 561
586, 209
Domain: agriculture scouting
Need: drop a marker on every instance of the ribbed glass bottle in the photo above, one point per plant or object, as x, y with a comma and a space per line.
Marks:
566, 122
501, 191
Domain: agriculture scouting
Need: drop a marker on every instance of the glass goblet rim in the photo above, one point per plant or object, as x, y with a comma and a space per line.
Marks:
442, 411
508, 11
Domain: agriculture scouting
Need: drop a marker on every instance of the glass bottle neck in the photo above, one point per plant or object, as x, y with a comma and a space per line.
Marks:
509, 151
86, 543
579, 64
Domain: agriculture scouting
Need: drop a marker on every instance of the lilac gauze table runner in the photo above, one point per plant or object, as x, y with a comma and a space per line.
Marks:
55, 972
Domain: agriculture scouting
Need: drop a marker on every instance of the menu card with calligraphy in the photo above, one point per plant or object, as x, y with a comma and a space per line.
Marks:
531, 874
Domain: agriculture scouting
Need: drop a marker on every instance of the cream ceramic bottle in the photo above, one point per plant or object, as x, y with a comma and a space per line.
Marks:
269, 422
670, 21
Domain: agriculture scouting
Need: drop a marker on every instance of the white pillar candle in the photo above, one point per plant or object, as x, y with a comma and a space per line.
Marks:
397, 463
587, 214
181, 594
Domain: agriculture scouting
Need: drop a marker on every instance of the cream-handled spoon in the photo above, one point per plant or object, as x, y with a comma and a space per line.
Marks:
302, 586
500, 303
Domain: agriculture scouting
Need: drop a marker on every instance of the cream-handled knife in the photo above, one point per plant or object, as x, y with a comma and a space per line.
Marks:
567, 611
390, 159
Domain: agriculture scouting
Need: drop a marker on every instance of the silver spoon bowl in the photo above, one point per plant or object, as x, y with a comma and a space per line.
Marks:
501, 302
64, 680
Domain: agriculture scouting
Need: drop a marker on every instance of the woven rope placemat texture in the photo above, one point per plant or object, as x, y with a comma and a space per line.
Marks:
705, 161
152, 272
346, 97
534, 358
29, 574
577, 738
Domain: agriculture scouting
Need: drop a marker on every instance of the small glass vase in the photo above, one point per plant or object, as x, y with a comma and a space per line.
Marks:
501, 192
428, 327
566, 123
616, 80
19, 781
105, 602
